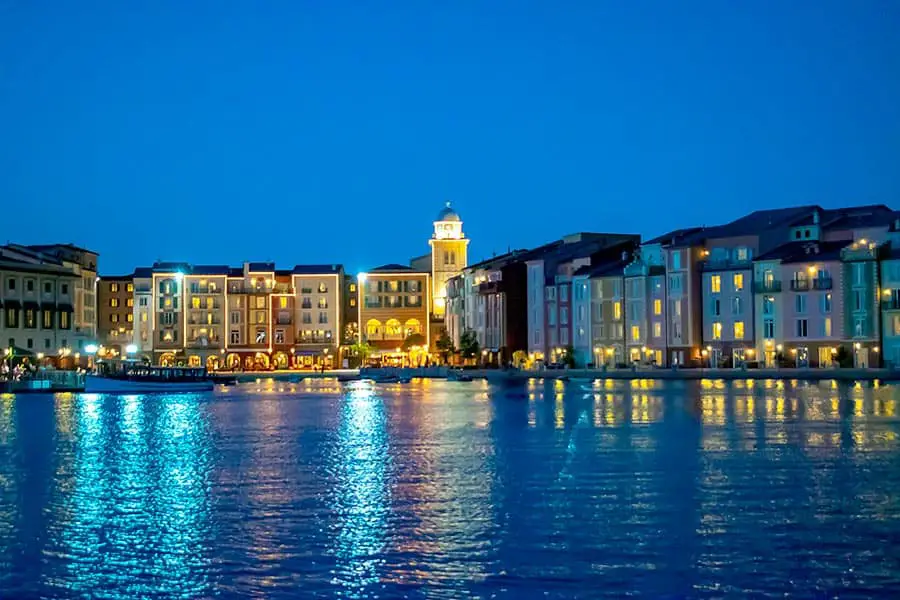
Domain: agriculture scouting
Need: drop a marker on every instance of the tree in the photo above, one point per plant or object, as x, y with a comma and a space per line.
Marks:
468, 344
520, 359
445, 345
843, 358
413, 339
569, 357
362, 350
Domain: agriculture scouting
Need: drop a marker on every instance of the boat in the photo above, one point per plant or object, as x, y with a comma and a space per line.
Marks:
386, 379
458, 376
133, 377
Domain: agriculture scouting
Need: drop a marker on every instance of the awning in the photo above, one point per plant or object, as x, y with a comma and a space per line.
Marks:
64, 307
48, 305
32, 305
14, 304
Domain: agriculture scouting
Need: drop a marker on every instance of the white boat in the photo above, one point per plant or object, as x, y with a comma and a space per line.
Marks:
129, 377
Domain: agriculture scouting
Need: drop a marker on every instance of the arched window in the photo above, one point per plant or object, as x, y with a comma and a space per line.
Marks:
392, 328
413, 326
373, 328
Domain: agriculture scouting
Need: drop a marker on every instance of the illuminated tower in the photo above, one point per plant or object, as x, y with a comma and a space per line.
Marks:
449, 255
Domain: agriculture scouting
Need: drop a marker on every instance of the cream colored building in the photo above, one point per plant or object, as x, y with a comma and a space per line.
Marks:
449, 256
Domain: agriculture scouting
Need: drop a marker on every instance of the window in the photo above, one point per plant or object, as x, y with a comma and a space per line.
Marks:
306, 318
800, 304
235, 317
769, 328
564, 315
657, 329
47, 319
738, 330
114, 318
129, 287
143, 317
63, 320
352, 288
114, 287
798, 234
46, 343
48, 287
143, 301
716, 307
676, 307
129, 302
742, 254
857, 299
564, 337
736, 307
352, 301
737, 279
826, 327
29, 285
453, 257
563, 293
260, 302
551, 293
279, 336
30, 343
617, 310
636, 333
717, 331
260, 335
858, 327
768, 305
657, 307
11, 285
676, 260
63, 288
167, 318
235, 337
446, 258
260, 317
30, 319
323, 302
858, 273
282, 302
896, 324
826, 303
195, 302
323, 288
715, 284
323, 317
130, 317
802, 326
114, 302
551, 317
675, 283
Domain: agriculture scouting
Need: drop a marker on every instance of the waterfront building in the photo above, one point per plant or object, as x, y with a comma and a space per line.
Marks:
37, 296
454, 310
395, 304
607, 300
862, 299
253, 317
449, 255
889, 271
581, 317
499, 294
645, 305
82, 263
115, 315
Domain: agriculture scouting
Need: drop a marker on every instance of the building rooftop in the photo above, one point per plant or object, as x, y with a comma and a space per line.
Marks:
316, 269
448, 214
209, 270
48, 247
393, 268
261, 267
805, 251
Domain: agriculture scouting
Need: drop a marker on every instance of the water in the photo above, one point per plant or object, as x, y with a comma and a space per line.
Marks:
454, 490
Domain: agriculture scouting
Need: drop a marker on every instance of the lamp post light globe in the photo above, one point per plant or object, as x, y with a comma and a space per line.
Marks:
91, 348
131, 349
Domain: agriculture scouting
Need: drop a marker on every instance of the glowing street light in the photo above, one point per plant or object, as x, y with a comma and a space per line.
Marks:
131, 349
91, 348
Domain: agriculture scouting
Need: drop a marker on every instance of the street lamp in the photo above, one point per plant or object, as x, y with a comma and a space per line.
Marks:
131, 349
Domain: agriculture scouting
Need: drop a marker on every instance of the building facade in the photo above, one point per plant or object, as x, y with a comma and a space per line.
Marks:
115, 315
395, 305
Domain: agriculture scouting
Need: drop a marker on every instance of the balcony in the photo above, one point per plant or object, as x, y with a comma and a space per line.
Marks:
725, 264
861, 250
766, 287
890, 304
799, 285
283, 288
196, 321
822, 283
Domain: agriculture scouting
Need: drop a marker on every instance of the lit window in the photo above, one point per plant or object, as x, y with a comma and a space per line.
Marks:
114, 287
715, 284
129, 287
322, 288
195, 302
129, 317
617, 310
739, 330
717, 331
323, 302
826, 326
636, 333
738, 281
130, 302
114, 302
657, 329
282, 302
657, 307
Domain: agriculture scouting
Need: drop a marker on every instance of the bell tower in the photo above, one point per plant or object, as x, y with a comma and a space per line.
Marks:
449, 255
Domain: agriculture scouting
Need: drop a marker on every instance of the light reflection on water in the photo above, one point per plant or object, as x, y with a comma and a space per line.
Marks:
451, 489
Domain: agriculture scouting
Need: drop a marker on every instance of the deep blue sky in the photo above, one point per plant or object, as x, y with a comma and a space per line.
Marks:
307, 132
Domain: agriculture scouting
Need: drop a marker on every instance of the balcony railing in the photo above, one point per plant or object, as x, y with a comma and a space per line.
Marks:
890, 304
799, 285
766, 287
861, 250
715, 264
822, 283
204, 322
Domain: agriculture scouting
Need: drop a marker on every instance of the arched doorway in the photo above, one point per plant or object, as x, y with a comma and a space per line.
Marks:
233, 361
167, 360
412, 326
248, 363
212, 363
194, 361
373, 329
261, 361
281, 360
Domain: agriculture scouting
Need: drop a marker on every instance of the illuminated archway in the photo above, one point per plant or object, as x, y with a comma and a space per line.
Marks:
280, 360
248, 363
412, 326
232, 361
261, 361
212, 363
373, 328
194, 361
393, 329
167, 360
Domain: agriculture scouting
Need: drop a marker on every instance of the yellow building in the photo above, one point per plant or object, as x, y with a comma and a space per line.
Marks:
395, 304
449, 256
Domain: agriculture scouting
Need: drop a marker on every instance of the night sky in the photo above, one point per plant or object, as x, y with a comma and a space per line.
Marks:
309, 132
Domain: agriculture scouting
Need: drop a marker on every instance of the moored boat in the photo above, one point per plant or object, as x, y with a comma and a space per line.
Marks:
131, 377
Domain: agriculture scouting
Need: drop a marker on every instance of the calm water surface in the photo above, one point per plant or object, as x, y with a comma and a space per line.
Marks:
454, 490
